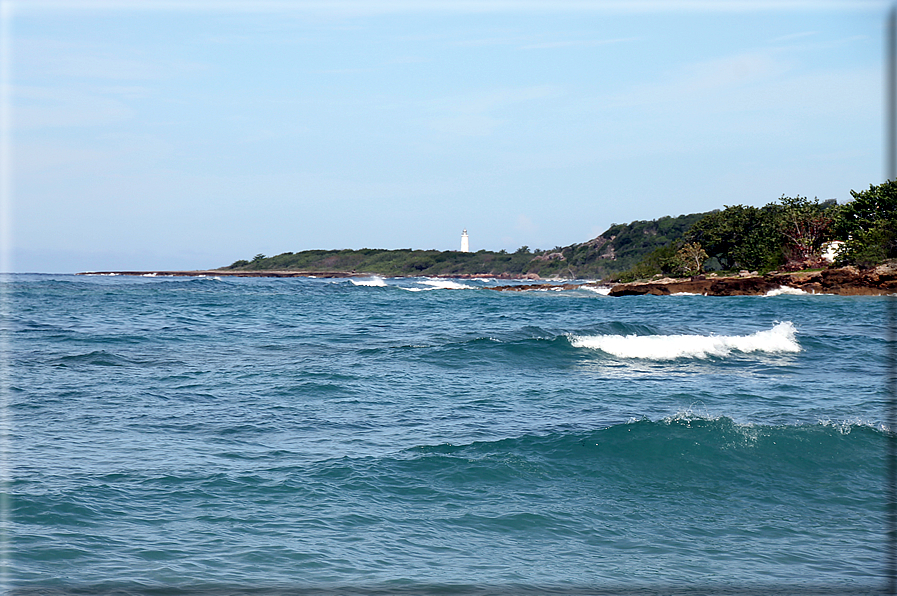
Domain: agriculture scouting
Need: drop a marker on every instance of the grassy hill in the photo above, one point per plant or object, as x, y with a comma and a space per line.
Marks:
616, 250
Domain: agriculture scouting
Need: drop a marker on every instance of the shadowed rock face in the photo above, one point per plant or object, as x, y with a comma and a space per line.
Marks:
846, 281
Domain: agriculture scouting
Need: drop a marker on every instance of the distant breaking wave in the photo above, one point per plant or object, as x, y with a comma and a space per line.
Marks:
779, 339
786, 291
376, 282
440, 284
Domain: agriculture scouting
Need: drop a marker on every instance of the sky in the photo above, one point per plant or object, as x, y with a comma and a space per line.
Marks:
154, 135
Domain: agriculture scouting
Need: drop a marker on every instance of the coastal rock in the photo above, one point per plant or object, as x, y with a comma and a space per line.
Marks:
845, 281
530, 287
721, 286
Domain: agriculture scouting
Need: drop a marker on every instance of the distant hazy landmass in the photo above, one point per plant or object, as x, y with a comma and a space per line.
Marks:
619, 248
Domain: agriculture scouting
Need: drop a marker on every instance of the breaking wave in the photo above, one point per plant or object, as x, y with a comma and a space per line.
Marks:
440, 284
779, 339
603, 290
786, 291
373, 282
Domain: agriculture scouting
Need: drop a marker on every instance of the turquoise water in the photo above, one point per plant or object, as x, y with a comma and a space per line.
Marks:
420, 436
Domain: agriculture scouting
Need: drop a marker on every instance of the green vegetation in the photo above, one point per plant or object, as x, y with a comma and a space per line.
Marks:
619, 248
789, 233
868, 225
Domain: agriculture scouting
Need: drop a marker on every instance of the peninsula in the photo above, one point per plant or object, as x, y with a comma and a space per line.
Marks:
793, 242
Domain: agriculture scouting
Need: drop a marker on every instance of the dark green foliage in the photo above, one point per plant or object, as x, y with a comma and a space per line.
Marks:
659, 262
868, 225
790, 232
742, 237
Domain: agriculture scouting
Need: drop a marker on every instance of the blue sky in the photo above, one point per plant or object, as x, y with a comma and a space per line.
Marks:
187, 135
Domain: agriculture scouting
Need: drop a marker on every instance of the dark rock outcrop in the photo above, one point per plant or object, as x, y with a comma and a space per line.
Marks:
845, 281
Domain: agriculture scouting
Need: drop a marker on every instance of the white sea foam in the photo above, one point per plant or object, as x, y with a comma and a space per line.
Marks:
440, 284
446, 284
779, 339
786, 291
372, 282
845, 426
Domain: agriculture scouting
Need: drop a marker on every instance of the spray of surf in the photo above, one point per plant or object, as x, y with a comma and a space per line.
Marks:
372, 282
780, 339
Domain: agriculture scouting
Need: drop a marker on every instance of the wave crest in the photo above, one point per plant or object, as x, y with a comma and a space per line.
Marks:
373, 282
779, 339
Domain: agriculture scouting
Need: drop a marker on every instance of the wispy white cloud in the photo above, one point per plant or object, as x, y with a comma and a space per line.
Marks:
476, 114
50, 57
39, 107
35, 57
793, 36
577, 43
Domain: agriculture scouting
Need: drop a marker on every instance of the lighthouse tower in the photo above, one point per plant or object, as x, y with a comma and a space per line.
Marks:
465, 242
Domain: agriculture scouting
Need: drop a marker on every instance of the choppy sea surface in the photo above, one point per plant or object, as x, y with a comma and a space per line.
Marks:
206, 435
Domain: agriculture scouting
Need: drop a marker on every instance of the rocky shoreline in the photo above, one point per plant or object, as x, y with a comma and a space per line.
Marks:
844, 281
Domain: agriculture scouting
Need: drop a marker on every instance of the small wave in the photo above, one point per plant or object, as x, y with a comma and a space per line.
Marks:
603, 290
371, 282
446, 284
779, 339
786, 291
440, 284
96, 358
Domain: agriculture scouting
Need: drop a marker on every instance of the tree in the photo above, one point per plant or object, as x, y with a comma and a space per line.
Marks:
741, 236
868, 225
806, 226
690, 258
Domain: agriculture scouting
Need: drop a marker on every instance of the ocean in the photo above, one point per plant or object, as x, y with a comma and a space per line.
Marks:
421, 436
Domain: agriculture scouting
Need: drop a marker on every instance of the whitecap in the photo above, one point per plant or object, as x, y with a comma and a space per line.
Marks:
603, 290
440, 284
446, 284
786, 291
373, 282
779, 339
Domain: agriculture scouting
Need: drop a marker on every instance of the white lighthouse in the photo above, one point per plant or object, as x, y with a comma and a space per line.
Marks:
465, 242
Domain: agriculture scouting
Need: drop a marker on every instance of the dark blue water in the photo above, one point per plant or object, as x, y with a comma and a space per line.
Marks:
360, 436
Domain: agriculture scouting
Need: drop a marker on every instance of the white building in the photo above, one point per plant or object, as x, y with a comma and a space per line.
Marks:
831, 249
465, 242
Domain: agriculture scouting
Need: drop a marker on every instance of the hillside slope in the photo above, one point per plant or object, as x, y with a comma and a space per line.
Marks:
620, 247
